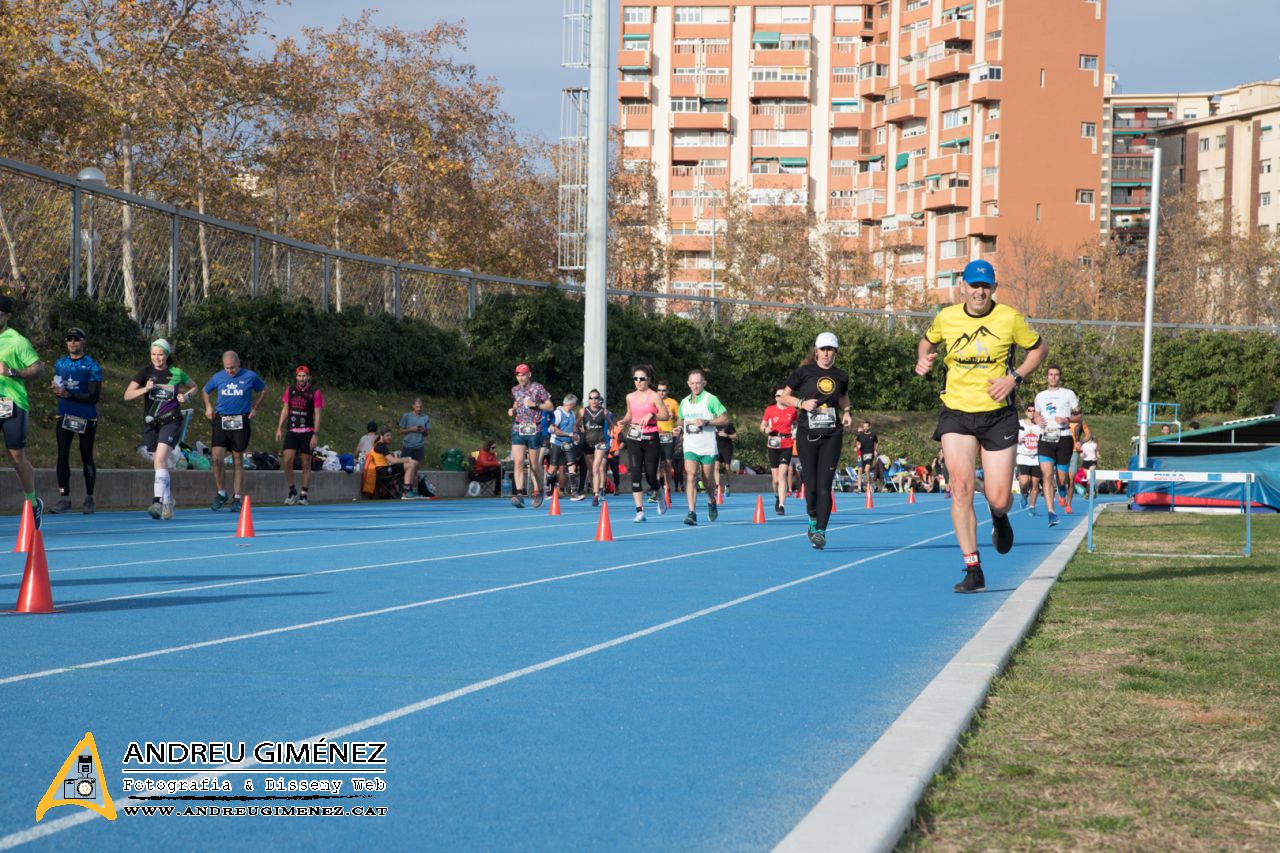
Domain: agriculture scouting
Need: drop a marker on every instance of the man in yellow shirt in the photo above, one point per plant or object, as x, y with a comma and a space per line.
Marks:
667, 439
979, 414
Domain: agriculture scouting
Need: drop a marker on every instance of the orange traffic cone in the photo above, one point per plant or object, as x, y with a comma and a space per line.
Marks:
604, 532
666, 495
245, 528
26, 528
759, 519
833, 501
35, 596
719, 495
871, 504
911, 495
802, 491
555, 502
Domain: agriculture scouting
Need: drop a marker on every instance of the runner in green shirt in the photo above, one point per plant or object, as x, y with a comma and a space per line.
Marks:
700, 413
18, 362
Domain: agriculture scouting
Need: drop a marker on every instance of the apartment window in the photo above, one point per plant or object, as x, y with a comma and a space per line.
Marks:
914, 127
882, 134
702, 15
1088, 62
991, 137
993, 2
1037, 211
1041, 78
698, 138
949, 249
990, 171
636, 44
635, 139
844, 137
689, 71
782, 14
846, 106
684, 105
955, 118
848, 14
1264, 133
635, 14
978, 73
1089, 129
773, 74
1203, 145
994, 34
635, 76
1202, 177
1222, 141
1264, 167
988, 245
1084, 196
993, 111
1190, 114
785, 138
1220, 174
1264, 199
916, 4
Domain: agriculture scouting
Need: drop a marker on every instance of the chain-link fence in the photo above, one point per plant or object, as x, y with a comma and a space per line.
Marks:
64, 236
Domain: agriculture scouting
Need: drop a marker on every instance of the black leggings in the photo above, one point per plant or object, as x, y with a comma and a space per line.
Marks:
86, 457
818, 460
643, 454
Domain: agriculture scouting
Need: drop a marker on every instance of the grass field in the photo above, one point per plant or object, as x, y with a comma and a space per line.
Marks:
1143, 713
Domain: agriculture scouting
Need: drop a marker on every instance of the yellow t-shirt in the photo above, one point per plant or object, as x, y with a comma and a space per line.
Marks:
674, 408
978, 349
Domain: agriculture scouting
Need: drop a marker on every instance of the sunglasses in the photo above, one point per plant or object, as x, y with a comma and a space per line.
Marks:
639, 378
595, 398
71, 338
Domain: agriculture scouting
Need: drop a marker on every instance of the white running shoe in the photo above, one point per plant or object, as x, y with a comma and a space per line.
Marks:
639, 519
166, 511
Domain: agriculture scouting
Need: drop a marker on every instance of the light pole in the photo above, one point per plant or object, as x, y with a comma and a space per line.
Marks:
94, 176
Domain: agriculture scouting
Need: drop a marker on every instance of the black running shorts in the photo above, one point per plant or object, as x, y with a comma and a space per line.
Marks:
995, 430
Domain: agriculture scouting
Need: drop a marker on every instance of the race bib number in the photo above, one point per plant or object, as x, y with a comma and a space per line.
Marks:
1051, 435
822, 420
73, 424
527, 429
602, 447
6, 408
775, 442
666, 437
230, 423
162, 393
692, 429
635, 432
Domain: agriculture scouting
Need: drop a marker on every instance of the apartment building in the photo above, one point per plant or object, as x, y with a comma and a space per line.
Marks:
926, 132
1230, 154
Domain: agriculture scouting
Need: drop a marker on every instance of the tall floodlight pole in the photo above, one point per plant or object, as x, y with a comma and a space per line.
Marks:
1148, 316
594, 361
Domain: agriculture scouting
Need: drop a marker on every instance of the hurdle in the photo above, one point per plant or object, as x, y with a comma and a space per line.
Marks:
1246, 479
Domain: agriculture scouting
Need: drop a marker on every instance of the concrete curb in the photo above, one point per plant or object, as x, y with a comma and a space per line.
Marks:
874, 802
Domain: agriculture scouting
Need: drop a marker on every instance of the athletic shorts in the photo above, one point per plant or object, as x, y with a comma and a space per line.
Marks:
701, 460
235, 440
779, 456
414, 453
563, 454
867, 460
1032, 471
15, 429
154, 436
299, 442
1089, 463
995, 430
667, 448
1057, 452
533, 442
724, 449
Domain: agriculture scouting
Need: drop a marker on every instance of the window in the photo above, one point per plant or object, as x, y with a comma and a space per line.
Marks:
636, 44
990, 171
949, 249
993, 111
846, 106
916, 4
698, 138
635, 139
635, 76
635, 14
1222, 141
1202, 177
844, 137
994, 35
882, 134
978, 73
1041, 78
782, 14
1190, 114
1264, 133
1084, 196
774, 74
1264, 199
1088, 62
1089, 129
988, 245
785, 138
1203, 145
955, 118
848, 14
684, 105
702, 15
914, 127
1219, 174
1264, 167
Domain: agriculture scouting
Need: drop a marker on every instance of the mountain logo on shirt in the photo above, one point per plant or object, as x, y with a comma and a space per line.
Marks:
826, 385
979, 353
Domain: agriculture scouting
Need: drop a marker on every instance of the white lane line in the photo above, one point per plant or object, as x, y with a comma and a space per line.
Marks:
54, 826
12, 679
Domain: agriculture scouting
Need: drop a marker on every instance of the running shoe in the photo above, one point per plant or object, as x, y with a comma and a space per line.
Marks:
1033, 511
1067, 509
166, 511
37, 512
779, 509
408, 496
973, 581
536, 500
691, 519
88, 506
712, 511
819, 539
219, 501
1062, 500
291, 499
63, 505
595, 499
517, 501
639, 519
813, 528
234, 506
653, 497
578, 496
1023, 498
662, 507
1053, 518
302, 499
155, 510
1001, 534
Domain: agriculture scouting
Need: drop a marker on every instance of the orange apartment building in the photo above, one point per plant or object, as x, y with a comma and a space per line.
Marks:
927, 132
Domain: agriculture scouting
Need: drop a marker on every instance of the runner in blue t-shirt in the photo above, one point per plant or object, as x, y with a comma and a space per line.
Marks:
240, 392
77, 382
564, 449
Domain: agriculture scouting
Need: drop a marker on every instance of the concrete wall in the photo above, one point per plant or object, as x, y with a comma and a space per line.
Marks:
129, 488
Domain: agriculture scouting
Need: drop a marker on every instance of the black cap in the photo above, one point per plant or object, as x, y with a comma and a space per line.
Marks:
76, 332
6, 305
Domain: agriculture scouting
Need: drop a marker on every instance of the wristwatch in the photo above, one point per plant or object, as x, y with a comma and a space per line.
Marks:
1018, 378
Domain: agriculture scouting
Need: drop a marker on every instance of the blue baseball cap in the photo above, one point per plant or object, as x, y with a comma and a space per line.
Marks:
979, 272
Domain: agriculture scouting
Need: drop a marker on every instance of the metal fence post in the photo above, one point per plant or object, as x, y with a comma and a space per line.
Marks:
74, 257
471, 293
397, 305
175, 235
253, 261
324, 286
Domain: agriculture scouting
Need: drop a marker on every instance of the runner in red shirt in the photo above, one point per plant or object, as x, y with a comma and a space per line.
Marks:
778, 425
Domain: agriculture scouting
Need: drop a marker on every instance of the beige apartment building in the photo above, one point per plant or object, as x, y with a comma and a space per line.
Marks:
926, 132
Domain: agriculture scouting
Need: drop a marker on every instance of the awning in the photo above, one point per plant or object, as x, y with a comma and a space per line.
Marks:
844, 102
766, 38
875, 159
955, 143
633, 68
763, 159
1145, 183
903, 159
636, 37
793, 161
937, 177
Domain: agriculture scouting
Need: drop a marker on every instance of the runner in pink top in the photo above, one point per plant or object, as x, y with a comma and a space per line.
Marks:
640, 431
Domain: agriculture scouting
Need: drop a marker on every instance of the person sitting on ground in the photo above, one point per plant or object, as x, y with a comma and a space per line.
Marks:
485, 466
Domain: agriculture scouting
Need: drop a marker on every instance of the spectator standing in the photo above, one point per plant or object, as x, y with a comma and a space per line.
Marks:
77, 383
415, 425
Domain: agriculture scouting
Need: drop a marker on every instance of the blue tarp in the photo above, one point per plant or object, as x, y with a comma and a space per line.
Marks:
1245, 447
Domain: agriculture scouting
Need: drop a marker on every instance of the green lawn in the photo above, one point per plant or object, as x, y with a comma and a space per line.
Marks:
1143, 712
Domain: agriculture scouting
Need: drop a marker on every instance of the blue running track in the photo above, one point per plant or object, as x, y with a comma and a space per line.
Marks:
676, 688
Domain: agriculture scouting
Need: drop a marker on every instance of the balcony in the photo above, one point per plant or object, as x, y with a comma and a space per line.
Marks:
691, 243
945, 198
780, 182
642, 89
984, 226
907, 109
872, 87
773, 56
780, 89
985, 91
871, 181
948, 63
779, 116
637, 117
952, 30
709, 121
872, 207
634, 60
857, 121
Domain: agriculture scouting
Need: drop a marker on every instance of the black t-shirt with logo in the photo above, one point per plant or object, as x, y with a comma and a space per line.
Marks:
867, 443
827, 386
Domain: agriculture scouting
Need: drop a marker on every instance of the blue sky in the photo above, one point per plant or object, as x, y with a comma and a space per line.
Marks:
1155, 45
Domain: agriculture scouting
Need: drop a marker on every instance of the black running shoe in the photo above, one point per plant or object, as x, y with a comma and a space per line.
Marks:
537, 499
63, 505
691, 519
1001, 534
973, 581
779, 509
37, 511
712, 511
818, 539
